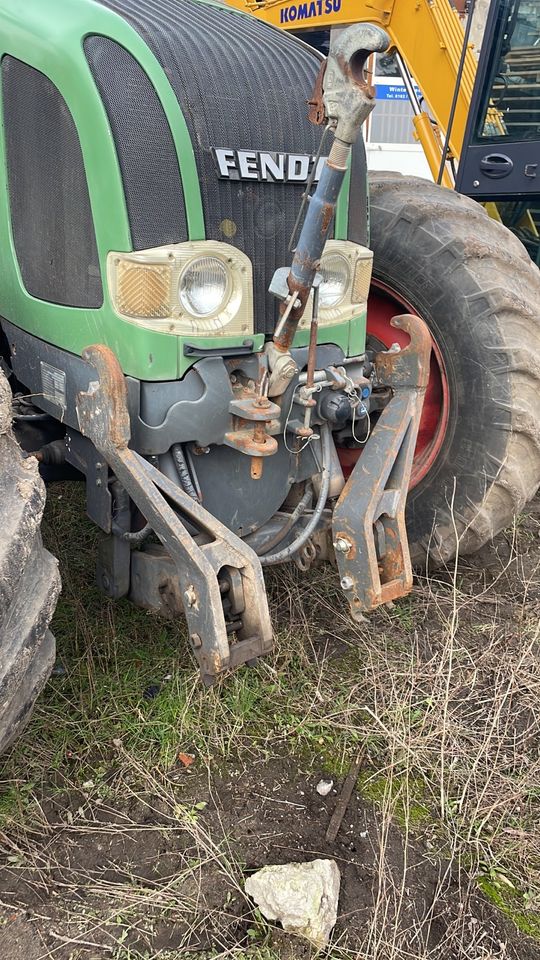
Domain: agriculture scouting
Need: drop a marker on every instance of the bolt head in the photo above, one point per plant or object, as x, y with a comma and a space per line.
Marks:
342, 545
190, 596
347, 583
196, 640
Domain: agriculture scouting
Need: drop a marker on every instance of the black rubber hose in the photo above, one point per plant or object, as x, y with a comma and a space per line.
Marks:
182, 469
134, 537
300, 508
288, 552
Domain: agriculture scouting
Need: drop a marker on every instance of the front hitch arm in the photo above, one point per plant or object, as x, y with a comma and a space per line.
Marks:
103, 418
368, 525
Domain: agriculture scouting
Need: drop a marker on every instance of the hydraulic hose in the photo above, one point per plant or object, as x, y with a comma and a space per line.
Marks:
300, 508
288, 552
135, 538
182, 469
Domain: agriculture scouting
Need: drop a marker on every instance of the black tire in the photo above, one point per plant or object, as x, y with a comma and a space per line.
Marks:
473, 283
29, 583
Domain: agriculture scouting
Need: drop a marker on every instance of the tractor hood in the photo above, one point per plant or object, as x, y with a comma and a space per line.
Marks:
242, 87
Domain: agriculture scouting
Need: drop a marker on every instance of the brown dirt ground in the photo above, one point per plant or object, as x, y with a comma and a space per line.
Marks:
59, 894
269, 814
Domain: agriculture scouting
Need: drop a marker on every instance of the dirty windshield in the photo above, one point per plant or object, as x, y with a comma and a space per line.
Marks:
512, 105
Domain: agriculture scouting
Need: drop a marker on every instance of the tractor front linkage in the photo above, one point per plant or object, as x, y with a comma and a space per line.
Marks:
212, 563
208, 571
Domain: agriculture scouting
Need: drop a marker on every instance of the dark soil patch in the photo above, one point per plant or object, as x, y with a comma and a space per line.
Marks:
99, 876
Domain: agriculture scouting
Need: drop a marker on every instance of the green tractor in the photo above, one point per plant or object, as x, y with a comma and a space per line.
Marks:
184, 325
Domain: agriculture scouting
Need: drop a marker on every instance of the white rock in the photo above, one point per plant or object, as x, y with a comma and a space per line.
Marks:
302, 896
324, 787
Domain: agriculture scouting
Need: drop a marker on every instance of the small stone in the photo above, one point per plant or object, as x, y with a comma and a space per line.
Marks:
302, 896
324, 787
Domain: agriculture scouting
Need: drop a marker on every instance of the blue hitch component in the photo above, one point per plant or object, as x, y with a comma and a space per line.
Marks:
347, 101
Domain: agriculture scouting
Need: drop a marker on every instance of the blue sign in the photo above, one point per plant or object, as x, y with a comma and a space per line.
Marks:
393, 91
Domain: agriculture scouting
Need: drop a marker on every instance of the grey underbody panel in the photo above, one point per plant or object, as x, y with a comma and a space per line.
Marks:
193, 411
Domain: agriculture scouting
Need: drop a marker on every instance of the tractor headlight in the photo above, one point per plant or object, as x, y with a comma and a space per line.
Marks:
203, 287
199, 288
336, 273
346, 276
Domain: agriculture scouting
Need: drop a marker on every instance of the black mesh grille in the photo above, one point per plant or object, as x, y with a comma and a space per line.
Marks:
240, 84
50, 208
144, 143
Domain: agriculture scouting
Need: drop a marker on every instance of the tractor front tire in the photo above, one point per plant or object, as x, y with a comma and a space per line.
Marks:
29, 582
473, 283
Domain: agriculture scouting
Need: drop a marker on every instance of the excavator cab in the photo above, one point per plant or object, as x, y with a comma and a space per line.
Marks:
500, 160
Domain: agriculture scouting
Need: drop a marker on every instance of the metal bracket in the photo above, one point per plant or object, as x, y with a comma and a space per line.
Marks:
103, 417
368, 527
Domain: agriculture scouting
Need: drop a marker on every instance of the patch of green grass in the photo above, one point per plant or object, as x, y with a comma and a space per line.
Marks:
403, 613
14, 799
512, 903
402, 795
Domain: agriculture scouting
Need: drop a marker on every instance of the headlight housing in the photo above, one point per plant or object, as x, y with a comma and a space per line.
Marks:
346, 271
336, 273
203, 287
199, 288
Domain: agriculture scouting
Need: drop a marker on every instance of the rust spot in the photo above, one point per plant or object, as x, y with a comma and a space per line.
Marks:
327, 214
317, 112
244, 441
408, 367
354, 69
256, 468
104, 410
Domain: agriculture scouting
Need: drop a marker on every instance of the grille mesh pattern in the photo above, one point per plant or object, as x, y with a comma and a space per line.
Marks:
144, 143
50, 207
240, 84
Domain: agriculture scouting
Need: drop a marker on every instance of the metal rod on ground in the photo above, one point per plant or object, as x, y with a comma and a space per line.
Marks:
344, 798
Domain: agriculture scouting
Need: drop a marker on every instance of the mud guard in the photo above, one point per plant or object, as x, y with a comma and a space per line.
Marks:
368, 525
103, 418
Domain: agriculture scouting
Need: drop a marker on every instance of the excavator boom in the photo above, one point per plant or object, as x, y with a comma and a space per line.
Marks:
428, 36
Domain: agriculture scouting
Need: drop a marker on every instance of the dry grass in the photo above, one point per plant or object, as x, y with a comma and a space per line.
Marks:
444, 688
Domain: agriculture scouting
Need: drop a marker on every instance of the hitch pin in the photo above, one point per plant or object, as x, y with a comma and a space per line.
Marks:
292, 301
312, 351
259, 430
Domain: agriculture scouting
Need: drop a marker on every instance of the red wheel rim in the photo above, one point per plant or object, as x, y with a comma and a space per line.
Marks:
384, 303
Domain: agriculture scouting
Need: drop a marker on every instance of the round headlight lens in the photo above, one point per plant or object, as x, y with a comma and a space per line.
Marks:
336, 278
203, 287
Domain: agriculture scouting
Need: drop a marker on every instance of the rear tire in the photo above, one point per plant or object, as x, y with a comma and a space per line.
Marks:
473, 283
29, 583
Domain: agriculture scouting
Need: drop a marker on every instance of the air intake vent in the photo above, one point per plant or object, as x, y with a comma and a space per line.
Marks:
50, 207
144, 144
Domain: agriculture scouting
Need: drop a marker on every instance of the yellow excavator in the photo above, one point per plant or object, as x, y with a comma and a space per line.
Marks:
469, 105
